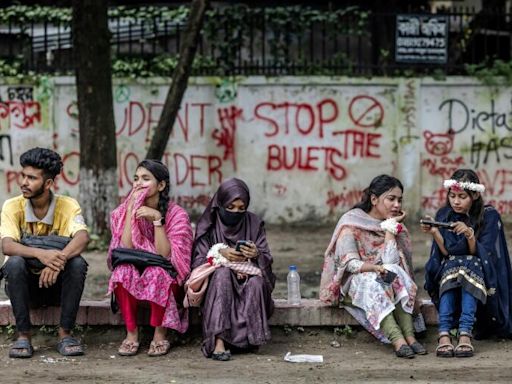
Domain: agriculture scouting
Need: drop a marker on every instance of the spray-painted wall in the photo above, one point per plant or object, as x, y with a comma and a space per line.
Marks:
307, 147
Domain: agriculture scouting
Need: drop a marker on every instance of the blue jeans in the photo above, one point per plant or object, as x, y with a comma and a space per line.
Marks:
449, 303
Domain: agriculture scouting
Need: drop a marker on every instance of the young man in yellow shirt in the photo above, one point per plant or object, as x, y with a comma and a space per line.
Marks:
59, 280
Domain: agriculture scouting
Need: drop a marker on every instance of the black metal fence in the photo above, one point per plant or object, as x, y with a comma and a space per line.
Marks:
262, 41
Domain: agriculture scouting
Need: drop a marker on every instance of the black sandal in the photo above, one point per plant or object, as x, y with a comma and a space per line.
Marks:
405, 351
21, 349
70, 342
221, 356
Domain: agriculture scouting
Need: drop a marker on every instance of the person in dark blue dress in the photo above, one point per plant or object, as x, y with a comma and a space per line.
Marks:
468, 274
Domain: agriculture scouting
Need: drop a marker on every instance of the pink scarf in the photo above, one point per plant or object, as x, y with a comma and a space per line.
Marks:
143, 234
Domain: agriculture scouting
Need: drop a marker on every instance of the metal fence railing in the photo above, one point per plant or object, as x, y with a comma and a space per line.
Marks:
258, 42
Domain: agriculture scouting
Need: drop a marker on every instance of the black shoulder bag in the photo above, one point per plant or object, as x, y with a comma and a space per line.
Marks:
140, 260
43, 242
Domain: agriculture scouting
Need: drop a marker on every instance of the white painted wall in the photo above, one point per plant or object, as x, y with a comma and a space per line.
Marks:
306, 146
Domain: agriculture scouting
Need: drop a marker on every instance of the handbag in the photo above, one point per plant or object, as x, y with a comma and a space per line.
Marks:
141, 260
196, 284
43, 242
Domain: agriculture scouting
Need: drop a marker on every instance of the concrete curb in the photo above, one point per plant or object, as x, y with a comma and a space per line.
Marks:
311, 313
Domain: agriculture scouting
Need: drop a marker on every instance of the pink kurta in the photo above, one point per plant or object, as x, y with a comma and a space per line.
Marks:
154, 284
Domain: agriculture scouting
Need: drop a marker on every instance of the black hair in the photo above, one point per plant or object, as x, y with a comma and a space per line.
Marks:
476, 212
161, 173
42, 158
378, 186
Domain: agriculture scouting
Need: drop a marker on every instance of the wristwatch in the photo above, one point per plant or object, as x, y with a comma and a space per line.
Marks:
158, 223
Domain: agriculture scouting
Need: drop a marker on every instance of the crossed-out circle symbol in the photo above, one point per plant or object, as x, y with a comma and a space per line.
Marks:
366, 111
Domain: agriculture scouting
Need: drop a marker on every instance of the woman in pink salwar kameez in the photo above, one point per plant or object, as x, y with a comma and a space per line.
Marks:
147, 220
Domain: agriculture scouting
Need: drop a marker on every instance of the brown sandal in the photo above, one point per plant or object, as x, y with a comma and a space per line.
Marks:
448, 352
128, 348
159, 348
464, 349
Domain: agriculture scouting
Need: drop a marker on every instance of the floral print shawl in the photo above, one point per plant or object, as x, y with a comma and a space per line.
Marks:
357, 236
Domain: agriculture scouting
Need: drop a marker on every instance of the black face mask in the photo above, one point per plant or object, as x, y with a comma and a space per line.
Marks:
230, 218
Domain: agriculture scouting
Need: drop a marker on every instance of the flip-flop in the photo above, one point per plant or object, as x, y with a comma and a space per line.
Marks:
128, 348
21, 349
155, 345
69, 342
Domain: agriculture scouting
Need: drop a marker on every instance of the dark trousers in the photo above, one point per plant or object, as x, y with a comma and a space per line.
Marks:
22, 287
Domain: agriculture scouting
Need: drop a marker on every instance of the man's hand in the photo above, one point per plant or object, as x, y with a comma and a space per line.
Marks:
53, 258
48, 277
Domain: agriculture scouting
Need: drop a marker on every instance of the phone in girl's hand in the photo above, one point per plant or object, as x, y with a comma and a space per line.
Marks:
388, 278
434, 223
240, 243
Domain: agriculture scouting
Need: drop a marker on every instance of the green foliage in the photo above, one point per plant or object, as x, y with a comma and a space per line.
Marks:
9, 330
497, 73
345, 330
225, 31
49, 330
24, 14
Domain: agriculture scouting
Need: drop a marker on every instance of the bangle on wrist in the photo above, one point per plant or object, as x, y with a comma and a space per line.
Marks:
158, 223
472, 235
391, 226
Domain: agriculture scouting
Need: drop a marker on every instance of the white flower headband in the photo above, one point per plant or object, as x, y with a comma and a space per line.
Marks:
464, 185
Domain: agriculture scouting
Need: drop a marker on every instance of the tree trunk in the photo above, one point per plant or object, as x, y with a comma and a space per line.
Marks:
179, 80
98, 160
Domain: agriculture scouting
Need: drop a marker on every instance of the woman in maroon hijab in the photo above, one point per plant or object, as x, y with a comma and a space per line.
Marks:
237, 306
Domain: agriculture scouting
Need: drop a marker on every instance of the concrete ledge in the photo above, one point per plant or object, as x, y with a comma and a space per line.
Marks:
311, 313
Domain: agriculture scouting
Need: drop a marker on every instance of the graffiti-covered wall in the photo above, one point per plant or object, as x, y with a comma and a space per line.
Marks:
306, 146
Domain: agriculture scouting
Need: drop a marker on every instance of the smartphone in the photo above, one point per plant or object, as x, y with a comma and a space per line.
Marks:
433, 223
240, 243
388, 278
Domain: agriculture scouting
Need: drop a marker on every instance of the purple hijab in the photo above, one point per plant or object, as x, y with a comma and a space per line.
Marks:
211, 230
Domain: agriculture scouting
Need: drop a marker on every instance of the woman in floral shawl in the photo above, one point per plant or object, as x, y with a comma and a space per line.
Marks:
369, 247
148, 221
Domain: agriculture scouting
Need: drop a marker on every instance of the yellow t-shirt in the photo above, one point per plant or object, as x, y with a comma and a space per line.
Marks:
64, 218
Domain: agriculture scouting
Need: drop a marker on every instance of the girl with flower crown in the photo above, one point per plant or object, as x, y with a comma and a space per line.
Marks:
369, 243
468, 272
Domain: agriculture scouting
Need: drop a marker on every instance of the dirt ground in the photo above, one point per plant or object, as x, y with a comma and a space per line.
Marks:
359, 358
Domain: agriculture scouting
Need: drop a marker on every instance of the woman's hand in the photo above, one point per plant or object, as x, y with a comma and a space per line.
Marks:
147, 213
428, 228
377, 268
400, 218
460, 228
231, 254
249, 251
134, 194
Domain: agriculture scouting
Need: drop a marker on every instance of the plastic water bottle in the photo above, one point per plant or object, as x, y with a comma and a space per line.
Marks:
293, 286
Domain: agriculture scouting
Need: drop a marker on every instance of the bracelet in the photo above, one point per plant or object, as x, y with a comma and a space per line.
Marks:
392, 226
158, 223
472, 234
